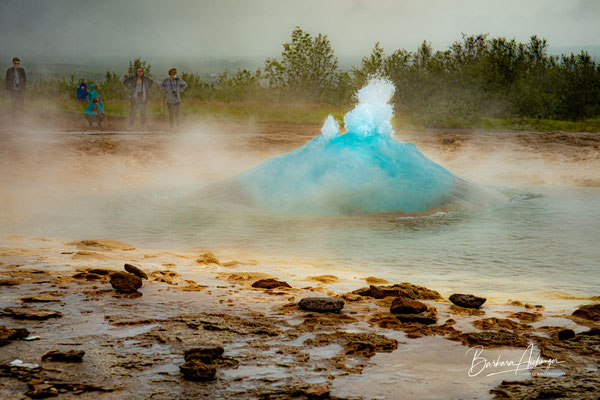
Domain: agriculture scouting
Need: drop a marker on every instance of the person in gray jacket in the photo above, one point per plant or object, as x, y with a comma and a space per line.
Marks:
15, 82
139, 87
173, 85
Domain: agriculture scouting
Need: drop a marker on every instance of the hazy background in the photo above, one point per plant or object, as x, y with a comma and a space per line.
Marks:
208, 36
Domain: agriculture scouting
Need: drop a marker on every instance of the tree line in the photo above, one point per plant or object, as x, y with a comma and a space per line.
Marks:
477, 76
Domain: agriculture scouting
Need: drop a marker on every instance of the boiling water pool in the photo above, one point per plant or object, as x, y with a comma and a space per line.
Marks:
541, 244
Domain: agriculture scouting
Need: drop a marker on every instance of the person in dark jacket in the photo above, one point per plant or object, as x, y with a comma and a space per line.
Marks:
94, 112
173, 85
16, 81
139, 87
82, 92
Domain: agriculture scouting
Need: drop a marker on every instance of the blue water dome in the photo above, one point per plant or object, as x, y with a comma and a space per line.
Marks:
360, 172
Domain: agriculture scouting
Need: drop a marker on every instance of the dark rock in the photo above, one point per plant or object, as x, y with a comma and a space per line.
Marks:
404, 289
9, 282
404, 305
493, 338
29, 313
363, 291
590, 311
196, 370
425, 318
135, 270
566, 334
100, 271
64, 356
88, 276
42, 392
467, 300
8, 335
205, 354
591, 332
270, 284
321, 304
125, 282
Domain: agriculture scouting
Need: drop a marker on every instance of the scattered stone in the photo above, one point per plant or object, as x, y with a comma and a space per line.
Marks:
467, 300
321, 304
135, 270
208, 258
566, 334
590, 311
206, 354
8, 335
64, 356
9, 282
425, 318
29, 313
196, 370
166, 276
39, 298
404, 305
270, 284
125, 282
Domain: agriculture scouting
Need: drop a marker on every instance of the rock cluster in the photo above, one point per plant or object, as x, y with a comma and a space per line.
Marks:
404, 289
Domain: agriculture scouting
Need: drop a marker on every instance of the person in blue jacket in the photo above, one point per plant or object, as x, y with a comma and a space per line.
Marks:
82, 92
92, 94
94, 112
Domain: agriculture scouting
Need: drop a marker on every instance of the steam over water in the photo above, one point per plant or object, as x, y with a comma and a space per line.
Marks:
347, 205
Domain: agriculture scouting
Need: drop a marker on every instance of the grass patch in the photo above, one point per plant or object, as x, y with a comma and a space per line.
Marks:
298, 114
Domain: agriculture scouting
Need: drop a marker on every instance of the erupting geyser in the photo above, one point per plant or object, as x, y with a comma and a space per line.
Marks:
362, 171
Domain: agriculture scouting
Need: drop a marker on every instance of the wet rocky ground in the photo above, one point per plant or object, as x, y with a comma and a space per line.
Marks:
202, 326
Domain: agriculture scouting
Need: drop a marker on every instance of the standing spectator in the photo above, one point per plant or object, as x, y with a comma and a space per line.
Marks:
92, 94
82, 92
173, 85
15, 84
138, 86
94, 112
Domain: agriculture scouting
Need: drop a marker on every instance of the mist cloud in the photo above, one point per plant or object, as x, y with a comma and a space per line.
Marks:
201, 28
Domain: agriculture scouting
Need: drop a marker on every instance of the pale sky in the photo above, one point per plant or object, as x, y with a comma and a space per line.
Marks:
257, 28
